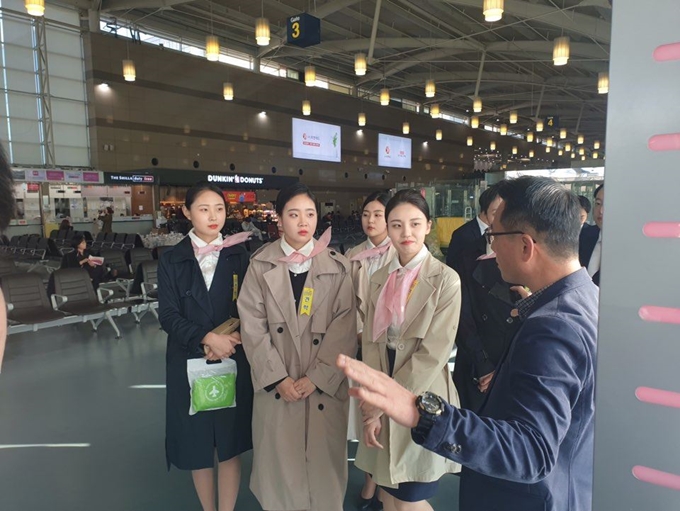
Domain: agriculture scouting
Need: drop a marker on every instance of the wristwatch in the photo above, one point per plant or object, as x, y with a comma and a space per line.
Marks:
430, 406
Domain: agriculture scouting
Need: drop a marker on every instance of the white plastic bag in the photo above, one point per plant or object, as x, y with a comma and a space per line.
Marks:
212, 385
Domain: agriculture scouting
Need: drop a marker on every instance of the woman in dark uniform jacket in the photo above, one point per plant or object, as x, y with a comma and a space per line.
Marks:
198, 281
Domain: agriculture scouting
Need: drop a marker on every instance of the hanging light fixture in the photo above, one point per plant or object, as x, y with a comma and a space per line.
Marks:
310, 76
477, 104
539, 126
581, 151
430, 88
385, 96
514, 149
513, 117
360, 65
474, 122
469, 141
549, 142
504, 129
493, 10
129, 72
228, 91
306, 107
547, 149
492, 145
596, 144
580, 139
438, 134
531, 153
262, 31
563, 133
361, 119
35, 7
567, 147
561, 51
406, 128
530, 136
212, 48
603, 82
560, 152
435, 112
573, 155
595, 155
583, 158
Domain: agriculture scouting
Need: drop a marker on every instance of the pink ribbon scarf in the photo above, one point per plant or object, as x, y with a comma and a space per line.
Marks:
320, 245
392, 300
370, 253
229, 241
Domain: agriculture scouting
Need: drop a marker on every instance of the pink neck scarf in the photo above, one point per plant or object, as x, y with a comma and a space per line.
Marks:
372, 252
393, 299
320, 245
229, 241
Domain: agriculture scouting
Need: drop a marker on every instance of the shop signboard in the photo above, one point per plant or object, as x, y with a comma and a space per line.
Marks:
394, 151
231, 181
54, 175
35, 175
73, 176
239, 197
92, 177
128, 179
19, 174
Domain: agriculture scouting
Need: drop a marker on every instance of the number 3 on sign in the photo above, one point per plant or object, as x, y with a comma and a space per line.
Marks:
296, 29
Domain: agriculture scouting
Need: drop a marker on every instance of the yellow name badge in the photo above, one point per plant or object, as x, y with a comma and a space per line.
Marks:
410, 291
234, 293
306, 301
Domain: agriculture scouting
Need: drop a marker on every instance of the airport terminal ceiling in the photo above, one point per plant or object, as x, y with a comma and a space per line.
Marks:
507, 63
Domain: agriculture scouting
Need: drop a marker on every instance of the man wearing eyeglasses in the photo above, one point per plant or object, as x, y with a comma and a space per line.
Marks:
530, 446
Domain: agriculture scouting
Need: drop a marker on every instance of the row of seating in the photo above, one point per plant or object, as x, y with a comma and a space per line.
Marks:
32, 247
74, 299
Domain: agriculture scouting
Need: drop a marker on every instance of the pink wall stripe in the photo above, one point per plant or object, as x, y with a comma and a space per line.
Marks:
666, 142
660, 314
667, 52
662, 229
657, 477
658, 397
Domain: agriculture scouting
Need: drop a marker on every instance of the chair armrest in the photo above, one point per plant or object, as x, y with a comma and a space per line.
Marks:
147, 288
58, 301
100, 294
10, 307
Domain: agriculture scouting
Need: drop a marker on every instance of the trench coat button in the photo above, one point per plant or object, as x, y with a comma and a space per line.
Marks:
280, 330
484, 317
188, 293
509, 320
450, 447
315, 342
277, 396
458, 449
401, 346
321, 407
332, 252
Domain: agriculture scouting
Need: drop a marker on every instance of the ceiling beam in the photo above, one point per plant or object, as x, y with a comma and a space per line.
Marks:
125, 5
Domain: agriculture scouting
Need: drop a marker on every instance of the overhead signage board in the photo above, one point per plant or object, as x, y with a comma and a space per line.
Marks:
394, 151
552, 122
128, 179
303, 30
239, 197
316, 141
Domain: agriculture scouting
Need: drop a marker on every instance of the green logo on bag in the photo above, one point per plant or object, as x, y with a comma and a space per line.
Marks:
213, 392
216, 391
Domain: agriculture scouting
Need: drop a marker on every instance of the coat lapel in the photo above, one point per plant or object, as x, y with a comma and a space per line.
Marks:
278, 282
322, 265
184, 254
421, 294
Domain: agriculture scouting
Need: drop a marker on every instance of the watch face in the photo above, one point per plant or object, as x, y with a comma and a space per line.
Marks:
431, 403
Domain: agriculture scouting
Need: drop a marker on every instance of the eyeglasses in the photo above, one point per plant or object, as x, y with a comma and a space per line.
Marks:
489, 235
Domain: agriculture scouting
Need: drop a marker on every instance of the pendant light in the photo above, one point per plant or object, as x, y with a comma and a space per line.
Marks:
547, 149
469, 141
504, 129
513, 117
310, 76
228, 91
439, 134
493, 10
406, 128
560, 152
539, 126
306, 107
567, 147
212, 48
514, 149
430, 88
596, 144
385, 96
563, 133
477, 104
603, 82
595, 155
474, 122
361, 119
531, 153
549, 142
583, 158
580, 139
35, 7
492, 145
435, 111
129, 72
360, 65
262, 33
561, 51
582, 151
530, 136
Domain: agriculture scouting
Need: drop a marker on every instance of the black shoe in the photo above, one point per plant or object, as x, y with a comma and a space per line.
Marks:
376, 505
365, 504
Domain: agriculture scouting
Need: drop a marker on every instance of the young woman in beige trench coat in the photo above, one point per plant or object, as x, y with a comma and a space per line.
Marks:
297, 314
411, 339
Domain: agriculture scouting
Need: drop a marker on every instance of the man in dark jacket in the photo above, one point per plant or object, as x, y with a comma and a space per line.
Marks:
590, 240
530, 447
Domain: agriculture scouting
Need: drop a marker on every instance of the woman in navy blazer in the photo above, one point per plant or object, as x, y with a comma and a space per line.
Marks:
198, 282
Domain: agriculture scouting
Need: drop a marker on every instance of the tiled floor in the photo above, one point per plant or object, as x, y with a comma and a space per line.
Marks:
70, 385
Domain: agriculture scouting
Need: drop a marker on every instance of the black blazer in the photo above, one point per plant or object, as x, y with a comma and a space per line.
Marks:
586, 244
461, 239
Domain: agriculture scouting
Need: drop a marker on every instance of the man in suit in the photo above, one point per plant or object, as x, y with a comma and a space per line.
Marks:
530, 447
590, 240
469, 234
